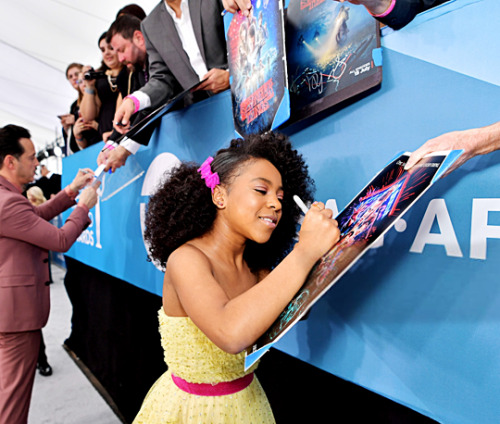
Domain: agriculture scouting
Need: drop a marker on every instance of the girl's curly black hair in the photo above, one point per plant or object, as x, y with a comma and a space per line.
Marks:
182, 208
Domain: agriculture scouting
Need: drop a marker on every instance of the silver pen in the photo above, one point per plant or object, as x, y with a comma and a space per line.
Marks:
300, 204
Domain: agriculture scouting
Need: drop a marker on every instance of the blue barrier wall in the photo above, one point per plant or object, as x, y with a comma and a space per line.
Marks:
417, 319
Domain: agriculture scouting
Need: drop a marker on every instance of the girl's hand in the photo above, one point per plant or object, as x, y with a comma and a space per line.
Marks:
319, 232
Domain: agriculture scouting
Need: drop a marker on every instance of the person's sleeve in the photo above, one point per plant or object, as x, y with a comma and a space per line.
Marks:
57, 204
130, 145
161, 83
404, 12
21, 223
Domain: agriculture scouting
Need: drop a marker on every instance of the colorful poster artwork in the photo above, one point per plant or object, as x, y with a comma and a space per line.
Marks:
369, 215
332, 53
258, 69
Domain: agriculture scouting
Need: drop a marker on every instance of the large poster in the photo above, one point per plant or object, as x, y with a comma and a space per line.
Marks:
257, 64
333, 53
370, 214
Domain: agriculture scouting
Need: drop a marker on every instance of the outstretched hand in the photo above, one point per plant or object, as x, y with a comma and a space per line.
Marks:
88, 197
116, 158
233, 6
82, 178
456, 140
121, 120
216, 80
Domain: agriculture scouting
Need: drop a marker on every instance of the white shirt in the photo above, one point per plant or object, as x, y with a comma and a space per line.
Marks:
184, 28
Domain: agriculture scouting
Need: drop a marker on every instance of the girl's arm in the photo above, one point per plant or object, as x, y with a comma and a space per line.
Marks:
235, 323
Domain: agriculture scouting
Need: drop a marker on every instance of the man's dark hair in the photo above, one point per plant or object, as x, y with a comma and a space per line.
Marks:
125, 25
132, 9
9, 141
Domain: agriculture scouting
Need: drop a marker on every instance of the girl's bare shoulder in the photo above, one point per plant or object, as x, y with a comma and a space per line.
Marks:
187, 257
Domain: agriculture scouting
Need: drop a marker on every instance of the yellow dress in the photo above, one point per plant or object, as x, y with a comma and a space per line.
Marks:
191, 356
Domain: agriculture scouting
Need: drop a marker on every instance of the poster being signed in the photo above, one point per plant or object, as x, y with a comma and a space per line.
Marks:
333, 53
369, 215
257, 64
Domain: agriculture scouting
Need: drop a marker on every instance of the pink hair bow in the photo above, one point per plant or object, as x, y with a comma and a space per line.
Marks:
211, 178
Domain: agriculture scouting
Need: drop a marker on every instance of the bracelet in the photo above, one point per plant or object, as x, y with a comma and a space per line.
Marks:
89, 90
137, 104
389, 10
78, 139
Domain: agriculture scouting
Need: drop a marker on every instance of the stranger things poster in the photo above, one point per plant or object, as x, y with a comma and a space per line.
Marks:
372, 212
257, 64
333, 53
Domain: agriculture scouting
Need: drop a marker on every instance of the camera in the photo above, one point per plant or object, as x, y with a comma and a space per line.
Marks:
92, 75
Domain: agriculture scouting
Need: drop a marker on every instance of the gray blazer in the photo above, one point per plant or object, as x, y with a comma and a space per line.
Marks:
169, 69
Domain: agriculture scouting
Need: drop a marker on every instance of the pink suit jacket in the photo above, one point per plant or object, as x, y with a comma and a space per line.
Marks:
26, 236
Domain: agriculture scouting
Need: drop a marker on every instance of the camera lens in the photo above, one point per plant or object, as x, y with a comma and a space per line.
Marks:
92, 75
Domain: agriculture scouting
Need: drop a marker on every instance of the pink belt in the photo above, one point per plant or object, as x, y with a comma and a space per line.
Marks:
219, 389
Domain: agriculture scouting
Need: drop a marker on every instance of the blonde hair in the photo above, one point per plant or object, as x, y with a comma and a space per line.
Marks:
35, 195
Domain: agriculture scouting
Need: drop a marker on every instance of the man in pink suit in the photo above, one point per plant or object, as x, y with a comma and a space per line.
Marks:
26, 236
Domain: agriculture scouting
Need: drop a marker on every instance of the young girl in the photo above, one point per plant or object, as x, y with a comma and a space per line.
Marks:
220, 229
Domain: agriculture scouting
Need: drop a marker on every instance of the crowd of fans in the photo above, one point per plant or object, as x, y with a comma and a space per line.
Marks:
90, 118
139, 72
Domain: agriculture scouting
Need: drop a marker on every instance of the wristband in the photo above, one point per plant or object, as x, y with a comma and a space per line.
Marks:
89, 90
137, 104
389, 10
109, 146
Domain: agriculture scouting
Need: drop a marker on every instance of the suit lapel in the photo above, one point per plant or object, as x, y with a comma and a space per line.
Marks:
195, 13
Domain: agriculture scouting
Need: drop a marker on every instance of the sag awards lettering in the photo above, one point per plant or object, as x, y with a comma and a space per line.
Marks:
310, 4
257, 103
436, 229
87, 237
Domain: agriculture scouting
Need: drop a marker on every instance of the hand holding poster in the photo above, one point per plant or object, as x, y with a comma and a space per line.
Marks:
372, 212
